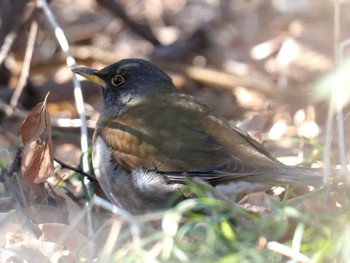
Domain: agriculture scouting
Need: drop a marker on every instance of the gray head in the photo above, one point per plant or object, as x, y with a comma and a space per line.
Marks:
128, 79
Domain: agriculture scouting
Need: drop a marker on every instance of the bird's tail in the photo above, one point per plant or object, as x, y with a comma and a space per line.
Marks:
291, 175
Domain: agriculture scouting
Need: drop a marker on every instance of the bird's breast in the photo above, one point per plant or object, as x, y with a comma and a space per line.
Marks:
101, 158
136, 190
113, 183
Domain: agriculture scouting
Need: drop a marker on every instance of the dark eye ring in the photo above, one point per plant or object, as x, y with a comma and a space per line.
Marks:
117, 80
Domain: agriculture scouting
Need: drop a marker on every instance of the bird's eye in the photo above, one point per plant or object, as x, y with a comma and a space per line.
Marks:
117, 80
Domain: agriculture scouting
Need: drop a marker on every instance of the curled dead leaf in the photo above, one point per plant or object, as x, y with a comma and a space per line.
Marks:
37, 153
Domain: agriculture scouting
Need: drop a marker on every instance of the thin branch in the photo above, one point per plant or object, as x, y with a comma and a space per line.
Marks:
341, 145
24, 13
9, 111
338, 57
77, 87
5, 48
79, 101
142, 30
330, 115
77, 170
26, 64
327, 146
340, 122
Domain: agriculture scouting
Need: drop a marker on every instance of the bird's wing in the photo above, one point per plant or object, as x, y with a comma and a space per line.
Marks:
180, 135
167, 150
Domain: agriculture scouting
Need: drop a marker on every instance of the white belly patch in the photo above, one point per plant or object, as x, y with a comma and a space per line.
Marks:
101, 159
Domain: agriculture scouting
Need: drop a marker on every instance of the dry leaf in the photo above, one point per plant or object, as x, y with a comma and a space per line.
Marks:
37, 153
21, 254
57, 233
24, 246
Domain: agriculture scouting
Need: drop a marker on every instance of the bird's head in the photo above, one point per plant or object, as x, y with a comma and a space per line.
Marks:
127, 80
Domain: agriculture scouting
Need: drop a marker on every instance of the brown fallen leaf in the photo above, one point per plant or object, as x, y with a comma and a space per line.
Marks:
21, 254
57, 233
37, 153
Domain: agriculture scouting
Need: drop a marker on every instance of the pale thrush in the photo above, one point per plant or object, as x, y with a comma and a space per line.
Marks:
151, 138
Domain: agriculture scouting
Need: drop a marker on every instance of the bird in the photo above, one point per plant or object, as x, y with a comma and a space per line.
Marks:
151, 139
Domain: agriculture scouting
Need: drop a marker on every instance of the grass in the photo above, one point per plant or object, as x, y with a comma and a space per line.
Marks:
308, 229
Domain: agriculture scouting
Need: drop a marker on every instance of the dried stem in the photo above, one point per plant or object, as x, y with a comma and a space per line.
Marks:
77, 170
5, 48
26, 64
78, 95
77, 87
338, 57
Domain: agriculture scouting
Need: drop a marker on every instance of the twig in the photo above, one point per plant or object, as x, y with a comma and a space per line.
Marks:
77, 87
78, 170
78, 95
10, 25
330, 115
340, 123
26, 64
9, 111
5, 48
338, 53
142, 30
327, 147
341, 145
336, 50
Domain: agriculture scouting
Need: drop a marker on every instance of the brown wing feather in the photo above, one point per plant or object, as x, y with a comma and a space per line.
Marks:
179, 134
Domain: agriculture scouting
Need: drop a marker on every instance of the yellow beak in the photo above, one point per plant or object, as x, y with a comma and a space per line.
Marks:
90, 74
